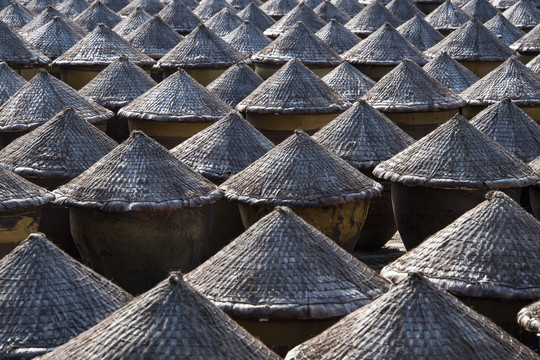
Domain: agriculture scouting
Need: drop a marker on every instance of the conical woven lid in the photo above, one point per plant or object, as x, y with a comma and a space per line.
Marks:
190, 4
337, 37
17, 192
239, 5
293, 89
300, 13
14, 50
491, 251
534, 65
170, 321
482, 10
312, 4
278, 8
187, 101
256, 16
5, 3
16, 15
363, 136
10, 82
150, 6
43, 285
349, 7
348, 82
96, 14
408, 88
235, 84
223, 149
450, 73
298, 42
100, 48
62, 148
208, 8
477, 162
511, 79
118, 84
371, 18
201, 48
404, 9
248, 39
530, 42
46, 16
179, 17
286, 288
420, 33
503, 29
523, 14
42, 98
138, 175
155, 38
72, 8
300, 173
328, 11
505, 123
132, 22
414, 320
447, 17
223, 22
115, 5
384, 47
37, 6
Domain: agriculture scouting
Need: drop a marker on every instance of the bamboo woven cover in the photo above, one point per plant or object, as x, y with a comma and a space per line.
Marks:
155, 38
115, 5
95, 14
534, 65
54, 38
337, 37
348, 82
404, 9
179, 17
14, 50
37, 6
420, 33
278, 7
72, 8
523, 14
241, 4
450, 73
371, 18
529, 42
256, 16
46, 16
10, 82
208, 8
300, 13
150, 6
447, 16
17, 192
480, 9
223, 22
328, 12
349, 7
248, 39
16, 16
502, 28
131, 22
235, 84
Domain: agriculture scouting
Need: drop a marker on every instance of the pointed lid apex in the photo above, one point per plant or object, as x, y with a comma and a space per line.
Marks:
278, 8
338, 37
154, 38
450, 73
257, 17
301, 13
348, 82
15, 50
420, 33
523, 14
97, 13
371, 18
235, 84
131, 22
447, 17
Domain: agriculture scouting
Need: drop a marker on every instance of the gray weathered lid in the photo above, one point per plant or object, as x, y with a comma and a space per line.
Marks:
115, 5
503, 29
239, 5
349, 7
100, 48
248, 39
46, 16
40, 284
41, 99
371, 18
17, 192
278, 8
384, 47
223, 22
208, 8
472, 42
37, 6
523, 14
5, 3
10, 82
482, 10
154, 38
534, 65
118, 84
201, 48
72, 8
363, 136
274, 270
450, 73
172, 320
301, 43
96, 14
408, 88
529, 43
150, 6
293, 89
179, 17
190, 4
414, 320
131, 22
16, 15
223, 149
404, 9
457, 155
16, 51
328, 11
337, 37
420, 33
256, 16
491, 251
235, 84
300, 13
312, 4
299, 173
511, 79
348, 82
138, 175
187, 101
447, 17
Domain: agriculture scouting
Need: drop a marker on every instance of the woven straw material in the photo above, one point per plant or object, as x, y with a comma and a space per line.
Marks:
299, 173
10, 82
523, 14
154, 38
472, 42
312, 4
202, 48
529, 317
118, 85
190, 4
115, 5
150, 6
14, 50
293, 89
298, 42
235, 84
509, 126
62, 148
328, 12
43, 285
100, 48
534, 65
306, 275
208, 8
300, 13
477, 162
179, 17
481, 10
16, 15
41, 99
420, 33
187, 101
96, 14
17, 192
37, 6
511, 79
503, 29
138, 175
348, 82
371, 18
131, 22
349, 7
223, 149
447, 17
530, 42
242, 4
450, 73
505, 4
171, 321
404, 9
386, 47
72, 8
415, 320
337, 37
45, 17
363, 136
491, 251
256, 16
223, 22
248, 39
408, 88
278, 8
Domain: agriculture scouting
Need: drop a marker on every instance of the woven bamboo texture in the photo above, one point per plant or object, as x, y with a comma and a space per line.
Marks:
371, 18
14, 50
337, 36
481, 10
420, 33
349, 7
348, 82
239, 5
10, 82
37, 6
450, 73
72, 8
248, 39
115, 5
256, 16
150, 6
223, 22
95, 14
54, 38
504, 29
328, 12
235, 84
404, 9
534, 65
300, 13
45, 17
17, 192
278, 8
208, 8
131, 22
523, 14
530, 42
16, 15
179, 17
154, 38
447, 17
